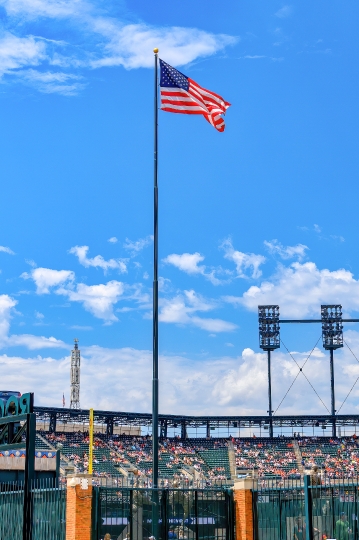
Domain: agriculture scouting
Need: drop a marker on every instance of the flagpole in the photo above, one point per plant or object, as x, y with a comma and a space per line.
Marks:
155, 512
155, 293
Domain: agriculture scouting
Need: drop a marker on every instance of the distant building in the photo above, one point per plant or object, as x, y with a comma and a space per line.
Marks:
75, 376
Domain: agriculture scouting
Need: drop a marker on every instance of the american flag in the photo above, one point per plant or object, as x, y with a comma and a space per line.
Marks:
180, 94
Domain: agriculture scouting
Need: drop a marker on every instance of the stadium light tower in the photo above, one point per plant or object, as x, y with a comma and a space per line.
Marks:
332, 334
75, 376
269, 340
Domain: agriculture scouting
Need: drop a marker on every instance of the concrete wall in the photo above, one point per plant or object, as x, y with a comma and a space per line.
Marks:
18, 464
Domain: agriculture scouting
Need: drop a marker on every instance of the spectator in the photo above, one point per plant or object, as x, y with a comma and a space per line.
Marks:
342, 529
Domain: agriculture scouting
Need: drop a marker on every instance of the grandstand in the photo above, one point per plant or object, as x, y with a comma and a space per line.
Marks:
204, 460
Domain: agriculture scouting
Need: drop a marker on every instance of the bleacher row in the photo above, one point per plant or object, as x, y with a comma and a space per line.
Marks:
206, 459
273, 457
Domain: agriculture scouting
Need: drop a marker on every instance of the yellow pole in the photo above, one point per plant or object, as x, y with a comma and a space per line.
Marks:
90, 441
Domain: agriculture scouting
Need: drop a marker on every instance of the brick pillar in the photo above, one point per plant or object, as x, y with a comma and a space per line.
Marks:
78, 507
243, 498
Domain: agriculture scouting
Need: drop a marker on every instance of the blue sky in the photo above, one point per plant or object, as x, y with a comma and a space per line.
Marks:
263, 213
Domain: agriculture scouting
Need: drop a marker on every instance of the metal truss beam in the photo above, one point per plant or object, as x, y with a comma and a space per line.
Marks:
145, 419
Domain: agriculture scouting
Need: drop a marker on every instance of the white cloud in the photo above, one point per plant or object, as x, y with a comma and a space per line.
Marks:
254, 57
182, 309
129, 45
187, 262
136, 294
112, 240
79, 327
138, 245
46, 278
286, 252
50, 82
96, 39
18, 52
210, 386
300, 289
26, 340
6, 305
97, 299
5, 249
45, 8
243, 261
213, 325
98, 261
35, 342
284, 12
39, 315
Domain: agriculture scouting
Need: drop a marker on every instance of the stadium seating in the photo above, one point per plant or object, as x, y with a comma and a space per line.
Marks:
206, 459
339, 458
75, 447
268, 457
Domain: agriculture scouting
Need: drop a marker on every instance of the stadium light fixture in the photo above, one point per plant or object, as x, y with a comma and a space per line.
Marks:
332, 326
269, 340
332, 335
269, 331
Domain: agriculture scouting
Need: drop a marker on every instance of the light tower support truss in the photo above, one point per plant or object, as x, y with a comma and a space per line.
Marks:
269, 340
332, 333
75, 376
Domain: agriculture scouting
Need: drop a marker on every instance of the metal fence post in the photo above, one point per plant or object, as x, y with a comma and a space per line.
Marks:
95, 513
164, 521
29, 474
229, 515
308, 509
196, 513
130, 518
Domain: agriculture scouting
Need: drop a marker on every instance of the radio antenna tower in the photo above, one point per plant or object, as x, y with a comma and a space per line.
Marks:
75, 376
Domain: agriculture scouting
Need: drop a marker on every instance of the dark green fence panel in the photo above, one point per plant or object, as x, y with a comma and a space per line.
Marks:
48, 506
183, 514
335, 509
11, 512
49, 513
279, 509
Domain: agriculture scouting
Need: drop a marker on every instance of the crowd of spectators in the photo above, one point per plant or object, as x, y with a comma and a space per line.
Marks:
206, 460
178, 459
273, 457
336, 458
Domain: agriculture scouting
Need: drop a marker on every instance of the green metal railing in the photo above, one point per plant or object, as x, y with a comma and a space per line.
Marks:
49, 512
11, 512
297, 510
276, 505
193, 514
48, 506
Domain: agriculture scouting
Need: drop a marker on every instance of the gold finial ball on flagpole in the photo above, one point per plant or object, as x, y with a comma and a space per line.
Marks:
155, 50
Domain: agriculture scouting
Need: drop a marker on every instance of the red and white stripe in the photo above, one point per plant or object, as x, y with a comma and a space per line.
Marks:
196, 100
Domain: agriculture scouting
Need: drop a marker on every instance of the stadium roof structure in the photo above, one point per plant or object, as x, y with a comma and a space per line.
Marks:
112, 418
